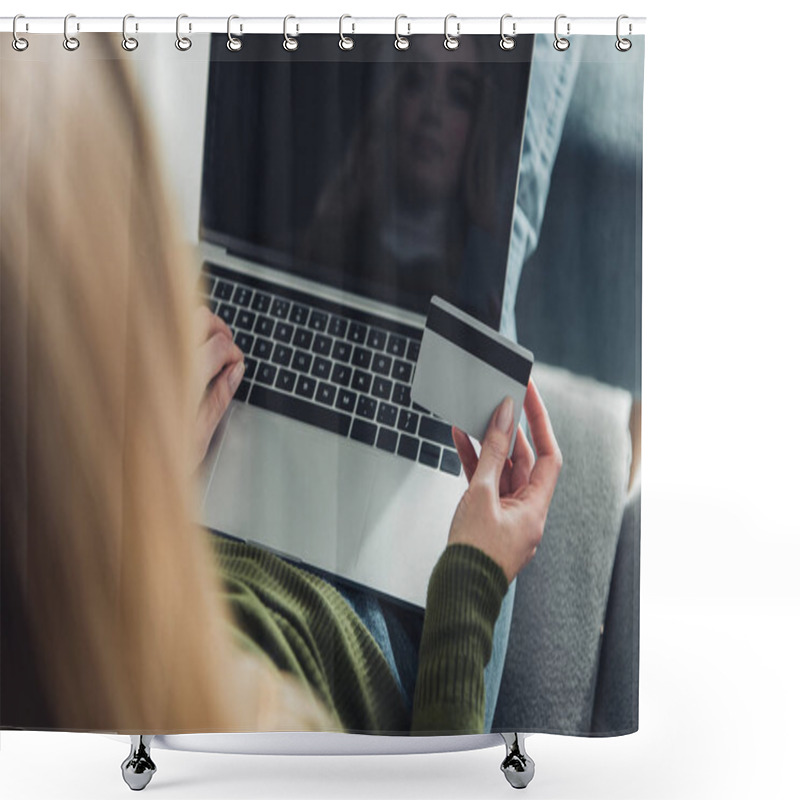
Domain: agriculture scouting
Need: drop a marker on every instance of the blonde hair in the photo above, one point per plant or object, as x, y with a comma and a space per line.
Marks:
107, 585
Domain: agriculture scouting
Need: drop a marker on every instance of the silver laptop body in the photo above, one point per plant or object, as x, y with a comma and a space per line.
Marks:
354, 510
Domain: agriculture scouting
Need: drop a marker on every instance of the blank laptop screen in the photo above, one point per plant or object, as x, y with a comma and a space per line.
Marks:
388, 173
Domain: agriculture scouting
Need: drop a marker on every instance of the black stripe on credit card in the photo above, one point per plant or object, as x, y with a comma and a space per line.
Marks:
478, 344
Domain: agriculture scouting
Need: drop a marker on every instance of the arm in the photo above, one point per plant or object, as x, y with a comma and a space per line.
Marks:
496, 529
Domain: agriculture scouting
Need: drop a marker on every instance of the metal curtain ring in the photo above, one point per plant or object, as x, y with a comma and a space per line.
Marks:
289, 43
450, 41
559, 42
346, 42
183, 43
507, 42
623, 45
401, 42
18, 43
234, 44
129, 43
70, 42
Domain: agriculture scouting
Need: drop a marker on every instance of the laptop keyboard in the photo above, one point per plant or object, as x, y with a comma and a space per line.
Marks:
327, 365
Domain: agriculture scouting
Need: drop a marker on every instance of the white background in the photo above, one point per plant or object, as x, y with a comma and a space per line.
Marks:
720, 609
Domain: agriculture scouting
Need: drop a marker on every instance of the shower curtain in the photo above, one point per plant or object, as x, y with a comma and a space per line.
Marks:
222, 509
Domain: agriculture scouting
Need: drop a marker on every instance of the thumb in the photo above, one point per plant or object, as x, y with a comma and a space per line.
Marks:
494, 449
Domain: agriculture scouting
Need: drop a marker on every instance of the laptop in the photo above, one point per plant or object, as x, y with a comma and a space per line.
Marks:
341, 190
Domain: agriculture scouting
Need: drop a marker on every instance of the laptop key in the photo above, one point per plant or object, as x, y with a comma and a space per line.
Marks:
412, 354
387, 440
337, 326
306, 387
341, 374
342, 351
266, 373
303, 338
376, 339
408, 447
401, 371
263, 349
242, 296
366, 407
429, 455
408, 422
244, 341
450, 462
301, 361
396, 346
401, 395
322, 345
299, 314
387, 414
321, 368
286, 380
242, 391
346, 401
227, 313
223, 290
363, 431
357, 332
264, 325
261, 302
381, 364
282, 355
249, 368
299, 409
361, 381
381, 388
280, 308
362, 358
283, 332
245, 319
436, 431
326, 393
318, 321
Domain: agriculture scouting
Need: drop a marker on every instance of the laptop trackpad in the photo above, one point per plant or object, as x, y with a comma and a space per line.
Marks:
298, 490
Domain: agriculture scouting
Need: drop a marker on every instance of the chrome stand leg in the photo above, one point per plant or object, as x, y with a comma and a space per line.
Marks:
138, 768
517, 766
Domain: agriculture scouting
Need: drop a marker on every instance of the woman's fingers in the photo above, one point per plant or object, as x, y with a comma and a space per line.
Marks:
546, 470
215, 402
523, 460
215, 354
466, 452
206, 324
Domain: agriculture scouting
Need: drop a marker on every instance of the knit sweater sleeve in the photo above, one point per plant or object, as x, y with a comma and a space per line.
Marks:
465, 592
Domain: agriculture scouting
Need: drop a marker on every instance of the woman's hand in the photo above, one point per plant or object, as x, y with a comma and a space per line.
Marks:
505, 506
221, 365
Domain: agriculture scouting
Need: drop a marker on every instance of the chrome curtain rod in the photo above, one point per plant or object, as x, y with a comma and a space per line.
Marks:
352, 25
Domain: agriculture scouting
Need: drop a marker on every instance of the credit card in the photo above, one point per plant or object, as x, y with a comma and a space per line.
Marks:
465, 369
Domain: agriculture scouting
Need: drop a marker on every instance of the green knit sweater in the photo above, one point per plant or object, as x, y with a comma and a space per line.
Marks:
309, 630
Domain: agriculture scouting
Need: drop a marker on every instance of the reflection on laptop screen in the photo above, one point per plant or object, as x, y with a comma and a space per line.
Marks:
388, 173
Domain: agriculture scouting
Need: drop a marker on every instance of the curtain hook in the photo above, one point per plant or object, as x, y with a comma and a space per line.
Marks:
450, 41
129, 43
289, 43
183, 43
623, 45
560, 43
401, 42
507, 42
346, 42
234, 44
71, 43
18, 43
